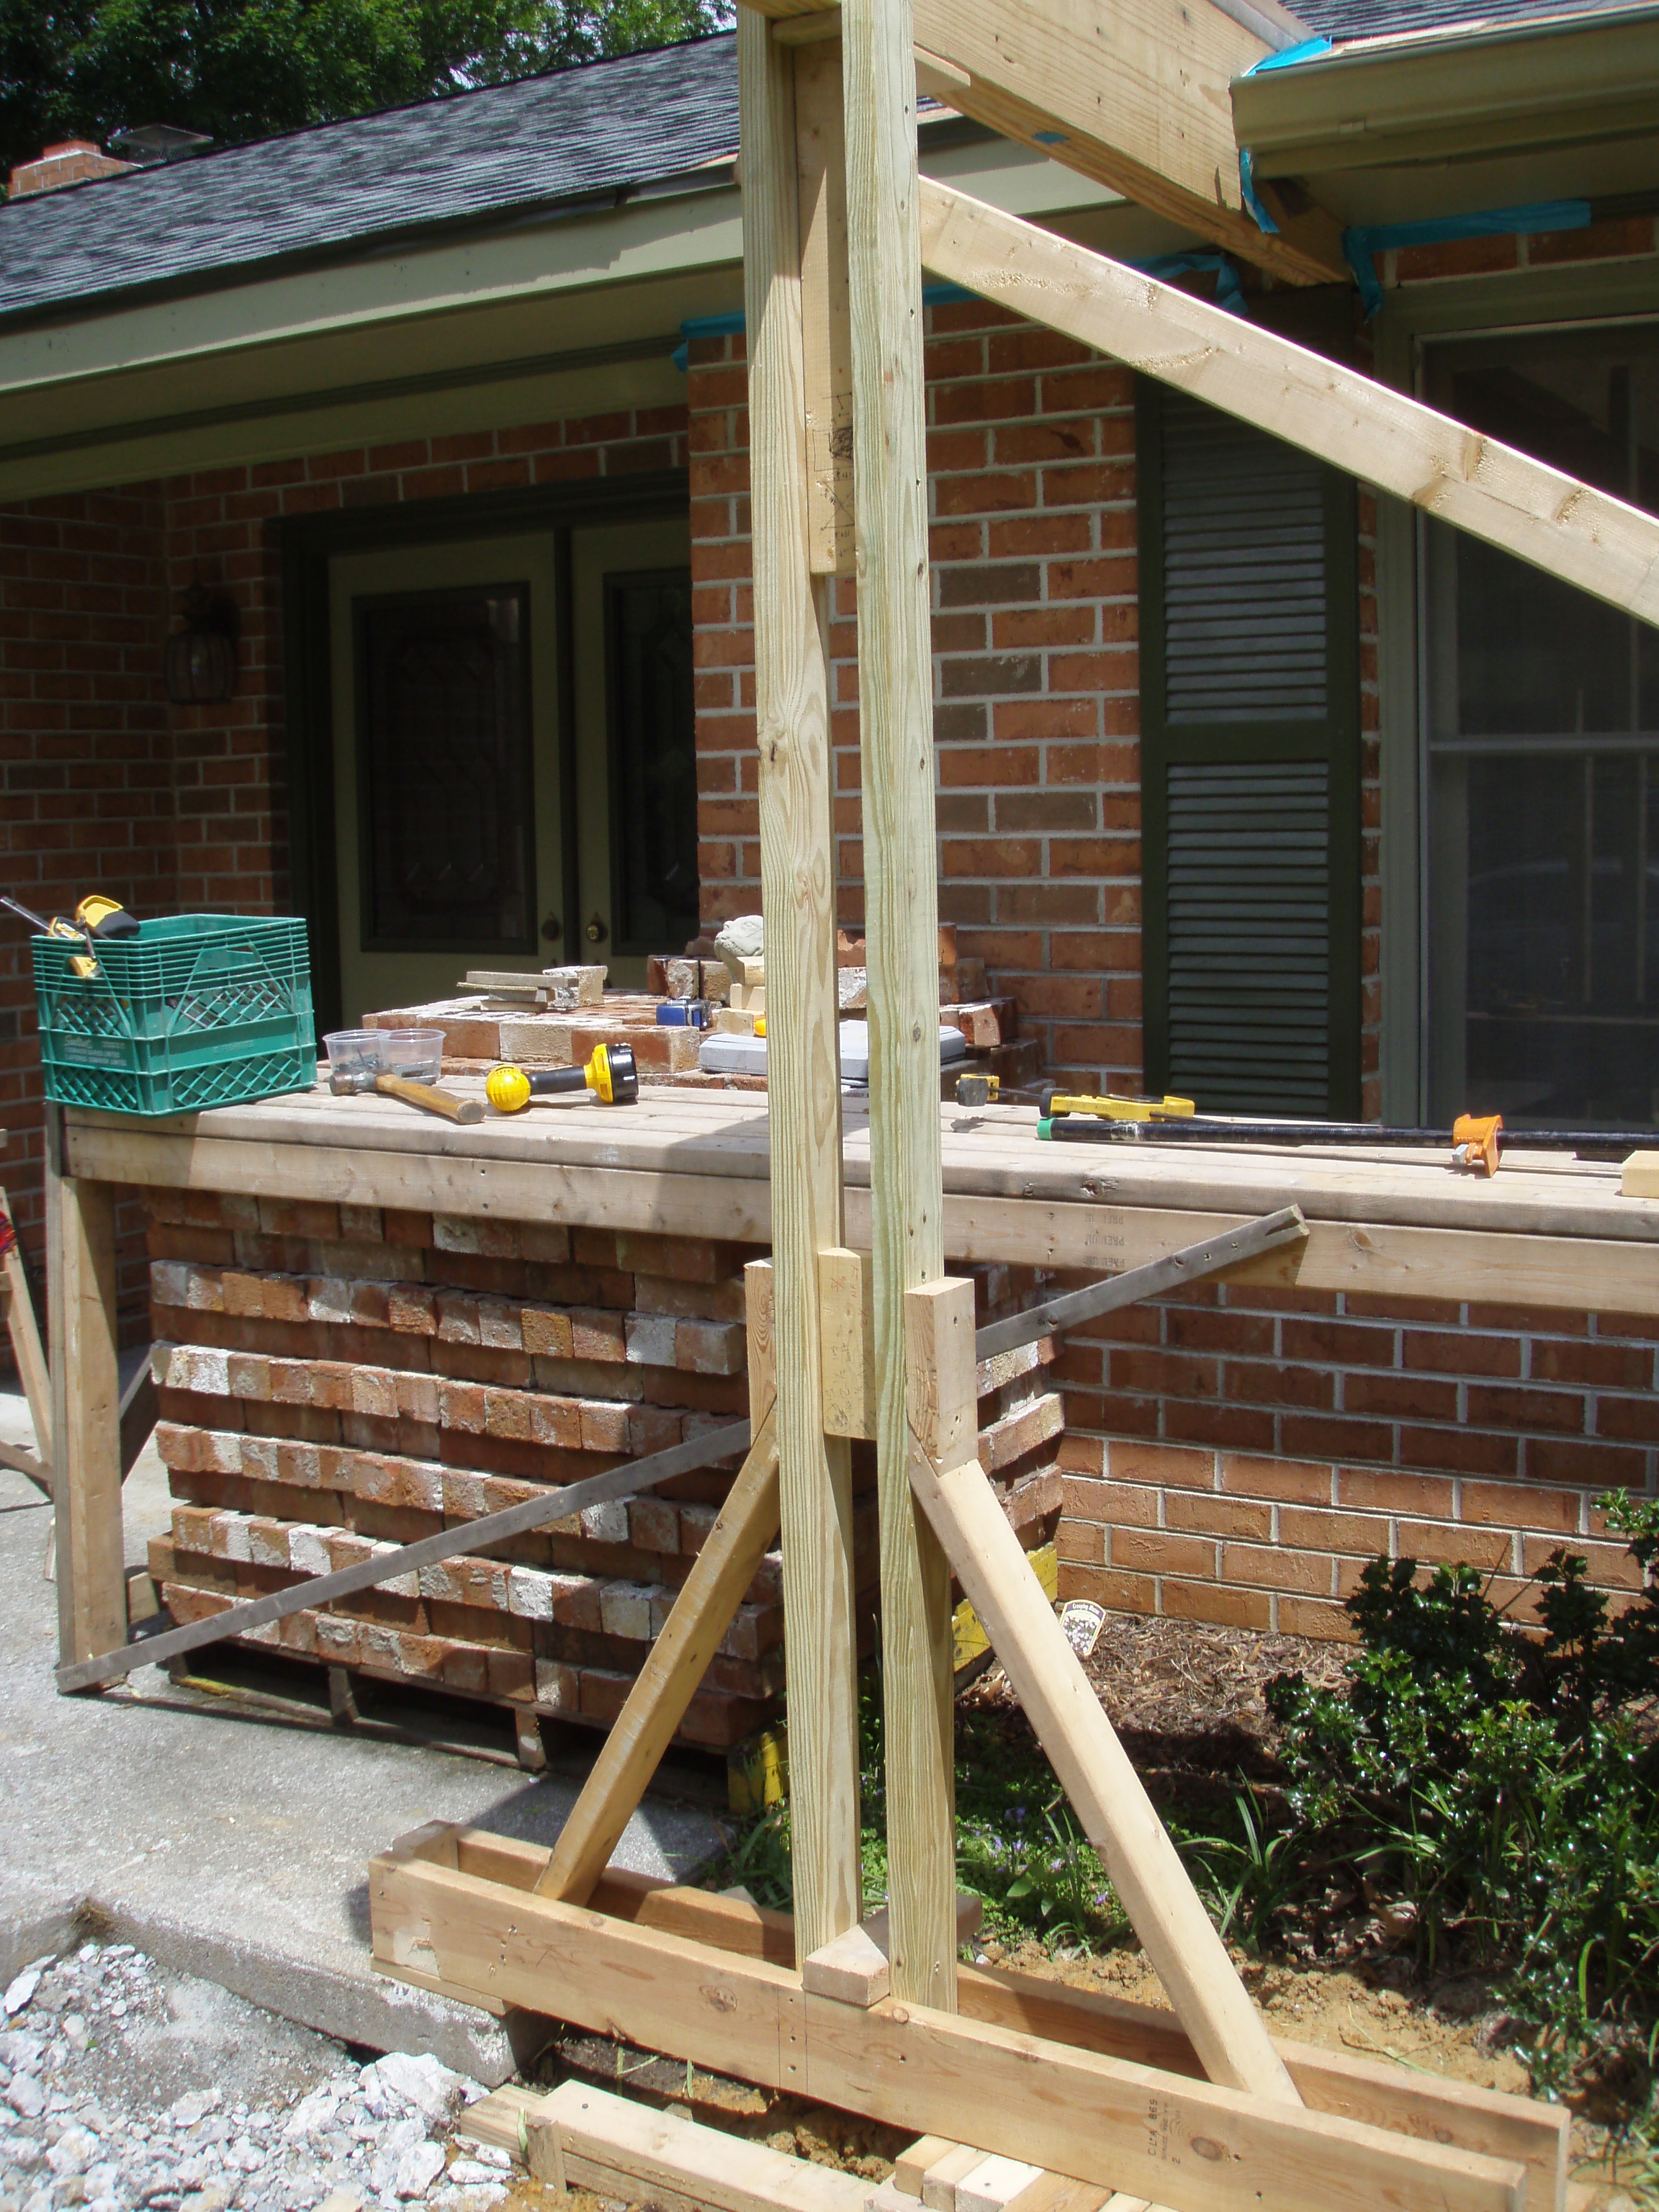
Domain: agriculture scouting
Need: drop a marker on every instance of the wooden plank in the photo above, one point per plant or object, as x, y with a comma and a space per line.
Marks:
86, 1396
1136, 98
1432, 2108
24, 1334
913, 2162
847, 1318
140, 1408
1116, 1814
587, 2138
993, 2184
826, 332
853, 1969
1458, 476
901, 939
1640, 1177
664, 1688
797, 896
938, 2182
1189, 2144
469, 1536
26, 1464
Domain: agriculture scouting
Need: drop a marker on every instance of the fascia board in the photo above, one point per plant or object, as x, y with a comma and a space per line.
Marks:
643, 241
1442, 97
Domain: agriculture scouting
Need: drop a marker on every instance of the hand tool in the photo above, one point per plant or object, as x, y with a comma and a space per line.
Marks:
423, 1095
96, 916
609, 1074
1477, 1141
1055, 1104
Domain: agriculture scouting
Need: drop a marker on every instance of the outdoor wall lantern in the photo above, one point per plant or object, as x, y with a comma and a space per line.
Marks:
201, 658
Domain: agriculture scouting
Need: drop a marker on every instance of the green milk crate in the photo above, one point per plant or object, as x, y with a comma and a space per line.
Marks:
196, 1010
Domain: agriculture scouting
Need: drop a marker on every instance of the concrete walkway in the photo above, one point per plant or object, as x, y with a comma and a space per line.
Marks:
228, 1847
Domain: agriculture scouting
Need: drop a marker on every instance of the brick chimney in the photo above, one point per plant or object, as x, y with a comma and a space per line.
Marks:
74, 162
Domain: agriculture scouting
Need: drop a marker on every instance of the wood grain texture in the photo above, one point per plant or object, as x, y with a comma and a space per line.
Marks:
1135, 97
25, 1332
901, 934
1457, 475
1192, 2145
1116, 1814
826, 330
665, 1686
798, 895
86, 1401
1377, 2093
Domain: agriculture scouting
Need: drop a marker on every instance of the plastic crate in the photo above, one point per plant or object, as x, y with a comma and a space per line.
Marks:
196, 1010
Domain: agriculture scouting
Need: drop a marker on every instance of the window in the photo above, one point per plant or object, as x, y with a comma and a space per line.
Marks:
1250, 766
443, 733
1542, 730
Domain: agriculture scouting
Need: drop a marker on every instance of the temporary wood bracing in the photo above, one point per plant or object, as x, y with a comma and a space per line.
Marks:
1198, 2109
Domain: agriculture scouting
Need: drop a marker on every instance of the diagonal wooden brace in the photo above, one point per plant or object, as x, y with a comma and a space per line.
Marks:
666, 1685
1094, 1769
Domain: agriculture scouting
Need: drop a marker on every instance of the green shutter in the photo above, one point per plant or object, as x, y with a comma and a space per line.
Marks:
1249, 697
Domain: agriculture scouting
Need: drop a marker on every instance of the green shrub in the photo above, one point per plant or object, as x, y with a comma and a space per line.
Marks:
1508, 1789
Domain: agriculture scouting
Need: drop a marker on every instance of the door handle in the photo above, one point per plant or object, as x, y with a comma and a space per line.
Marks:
597, 932
552, 929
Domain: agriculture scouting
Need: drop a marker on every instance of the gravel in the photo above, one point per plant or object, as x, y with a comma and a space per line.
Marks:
126, 2089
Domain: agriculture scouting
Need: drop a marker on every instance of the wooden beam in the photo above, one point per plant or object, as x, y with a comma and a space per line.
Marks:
86, 1397
1189, 2144
24, 1334
826, 329
1458, 476
902, 931
1117, 1816
1135, 97
798, 895
664, 1688
1379, 2094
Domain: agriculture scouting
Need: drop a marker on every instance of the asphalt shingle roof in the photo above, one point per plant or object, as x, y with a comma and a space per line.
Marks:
633, 121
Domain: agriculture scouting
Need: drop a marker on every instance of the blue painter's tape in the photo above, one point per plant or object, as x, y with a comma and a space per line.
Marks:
1229, 292
1362, 246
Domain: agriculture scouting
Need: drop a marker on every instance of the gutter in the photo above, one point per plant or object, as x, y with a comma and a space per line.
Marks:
1451, 94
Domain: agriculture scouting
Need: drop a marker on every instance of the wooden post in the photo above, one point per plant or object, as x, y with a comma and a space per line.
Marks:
901, 927
26, 1346
798, 895
86, 1401
826, 325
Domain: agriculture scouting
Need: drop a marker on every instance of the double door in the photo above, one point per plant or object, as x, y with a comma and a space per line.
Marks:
515, 762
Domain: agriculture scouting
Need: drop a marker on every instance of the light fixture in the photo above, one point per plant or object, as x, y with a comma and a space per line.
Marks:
201, 658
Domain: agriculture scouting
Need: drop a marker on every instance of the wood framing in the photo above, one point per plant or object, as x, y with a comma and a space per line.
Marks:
1135, 97
896, 720
1189, 2144
798, 899
25, 1334
86, 1410
1457, 475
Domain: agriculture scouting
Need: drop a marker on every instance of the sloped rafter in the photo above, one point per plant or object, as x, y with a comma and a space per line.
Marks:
1135, 96
1459, 476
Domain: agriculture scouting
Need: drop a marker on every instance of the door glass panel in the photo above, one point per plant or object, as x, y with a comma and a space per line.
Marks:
653, 761
446, 812
1543, 739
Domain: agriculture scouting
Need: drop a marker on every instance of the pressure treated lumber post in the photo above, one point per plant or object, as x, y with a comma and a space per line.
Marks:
901, 930
798, 895
86, 1401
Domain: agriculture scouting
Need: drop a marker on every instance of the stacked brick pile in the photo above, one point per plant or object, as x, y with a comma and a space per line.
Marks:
336, 1381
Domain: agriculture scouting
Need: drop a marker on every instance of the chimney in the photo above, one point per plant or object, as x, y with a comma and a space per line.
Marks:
75, 162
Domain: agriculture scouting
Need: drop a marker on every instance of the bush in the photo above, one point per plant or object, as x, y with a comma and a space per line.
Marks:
1507, 1788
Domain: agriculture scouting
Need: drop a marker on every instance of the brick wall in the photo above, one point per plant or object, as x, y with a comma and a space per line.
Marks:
339, 1379
171, 808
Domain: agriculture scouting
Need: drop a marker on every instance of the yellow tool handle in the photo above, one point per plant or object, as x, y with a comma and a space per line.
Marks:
464, 1110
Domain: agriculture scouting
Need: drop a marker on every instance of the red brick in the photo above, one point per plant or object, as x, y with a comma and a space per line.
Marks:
1228, 1607
1150, 1552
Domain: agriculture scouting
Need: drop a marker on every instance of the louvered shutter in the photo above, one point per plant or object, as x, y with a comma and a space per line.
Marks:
1250, 766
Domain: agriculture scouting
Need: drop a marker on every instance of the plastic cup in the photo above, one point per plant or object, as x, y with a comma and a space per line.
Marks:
416, 1054
353, 1053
